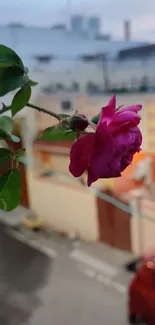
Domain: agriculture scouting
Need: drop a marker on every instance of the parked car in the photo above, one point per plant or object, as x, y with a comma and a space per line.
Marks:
141, 294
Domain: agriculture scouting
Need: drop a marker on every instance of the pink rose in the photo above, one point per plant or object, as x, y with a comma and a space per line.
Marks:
110, 149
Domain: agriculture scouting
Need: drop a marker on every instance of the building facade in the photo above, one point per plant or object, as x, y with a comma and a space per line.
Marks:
64, 81
49, 181
61, 55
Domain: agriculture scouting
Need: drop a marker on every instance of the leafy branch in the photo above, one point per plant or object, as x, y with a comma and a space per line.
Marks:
37, 108
14, 77
43, 110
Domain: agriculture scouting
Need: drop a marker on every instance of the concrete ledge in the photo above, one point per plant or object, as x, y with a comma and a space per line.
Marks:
15, 217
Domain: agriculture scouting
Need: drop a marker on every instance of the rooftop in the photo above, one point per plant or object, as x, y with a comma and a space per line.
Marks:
144, 50
31, 41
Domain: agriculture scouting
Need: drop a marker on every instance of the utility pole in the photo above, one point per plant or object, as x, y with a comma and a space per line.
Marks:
69, 13
104, 63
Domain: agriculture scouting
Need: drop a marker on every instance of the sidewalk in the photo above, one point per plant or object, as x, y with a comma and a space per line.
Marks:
96, 250
13, 218
51, 239
94, 257
110, 255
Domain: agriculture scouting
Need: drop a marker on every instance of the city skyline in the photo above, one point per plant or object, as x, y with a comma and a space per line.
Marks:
111, 12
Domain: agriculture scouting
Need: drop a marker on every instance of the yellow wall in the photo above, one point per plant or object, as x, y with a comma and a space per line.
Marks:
64, 208
143, 235
89, 105
60, 163
143, 229
149, 118
148, 223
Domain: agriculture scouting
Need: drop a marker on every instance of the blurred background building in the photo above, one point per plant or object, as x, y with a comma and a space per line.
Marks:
79, 67
81, 54
73, 267
93, 26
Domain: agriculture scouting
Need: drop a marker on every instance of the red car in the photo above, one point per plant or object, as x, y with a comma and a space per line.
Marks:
141, 303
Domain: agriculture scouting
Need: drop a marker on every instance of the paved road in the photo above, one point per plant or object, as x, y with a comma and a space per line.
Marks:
36, 289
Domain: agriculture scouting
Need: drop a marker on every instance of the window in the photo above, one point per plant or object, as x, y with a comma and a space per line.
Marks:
66, 105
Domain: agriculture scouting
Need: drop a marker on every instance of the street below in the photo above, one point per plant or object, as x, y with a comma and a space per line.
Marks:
37, 289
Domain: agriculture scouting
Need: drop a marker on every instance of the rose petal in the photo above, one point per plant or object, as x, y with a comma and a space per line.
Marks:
128, 142
103, 152
80, 154
91, 177
108, 112
108, 151
124, 118
126, 161
131, 108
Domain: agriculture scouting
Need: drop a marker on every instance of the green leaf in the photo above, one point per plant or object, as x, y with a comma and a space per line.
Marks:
95, 118
21, 99
62, 116
5, 155
6, 128
20, 152
10, 190
6, 125
32, 83
3, 135
26, 70
8, 58
56, 133
11, 79
19, 156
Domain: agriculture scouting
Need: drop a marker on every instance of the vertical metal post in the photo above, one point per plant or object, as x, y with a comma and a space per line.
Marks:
104, 62
31, 221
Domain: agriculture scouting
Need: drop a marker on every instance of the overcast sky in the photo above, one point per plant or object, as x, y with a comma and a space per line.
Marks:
111, 12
